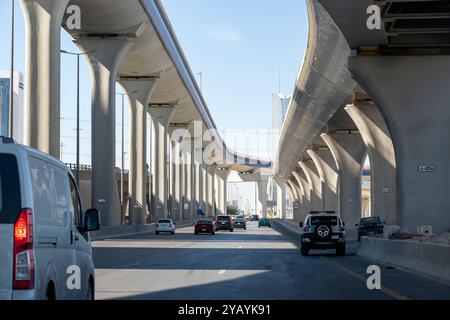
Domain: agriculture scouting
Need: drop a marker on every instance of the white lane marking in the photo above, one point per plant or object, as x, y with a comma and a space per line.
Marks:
240, 247
222, 272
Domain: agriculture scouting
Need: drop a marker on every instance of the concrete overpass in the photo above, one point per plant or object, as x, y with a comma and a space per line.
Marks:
378, 92
132, 43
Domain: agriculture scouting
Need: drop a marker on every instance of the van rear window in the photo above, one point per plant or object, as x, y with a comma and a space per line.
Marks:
10, 201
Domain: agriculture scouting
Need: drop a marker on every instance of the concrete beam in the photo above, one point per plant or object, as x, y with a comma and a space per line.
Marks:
104, 61
43, 20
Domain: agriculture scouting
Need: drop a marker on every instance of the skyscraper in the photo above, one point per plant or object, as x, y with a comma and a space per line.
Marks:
18, 115
280, 106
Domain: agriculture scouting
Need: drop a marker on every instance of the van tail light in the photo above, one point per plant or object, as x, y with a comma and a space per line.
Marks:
24, 266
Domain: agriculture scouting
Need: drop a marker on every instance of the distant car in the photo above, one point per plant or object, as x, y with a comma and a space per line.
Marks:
323, 231
165, 226
254, 217
44, 230
224, 223
370, 226
205, 226
265, 222
240, 222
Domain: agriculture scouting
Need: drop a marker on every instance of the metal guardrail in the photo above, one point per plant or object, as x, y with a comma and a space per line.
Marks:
88, 168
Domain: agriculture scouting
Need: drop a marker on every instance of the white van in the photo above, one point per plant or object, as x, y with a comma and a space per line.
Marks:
45, 248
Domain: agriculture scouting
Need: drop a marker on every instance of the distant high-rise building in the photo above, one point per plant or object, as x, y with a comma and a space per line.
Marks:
18, 115
280, 105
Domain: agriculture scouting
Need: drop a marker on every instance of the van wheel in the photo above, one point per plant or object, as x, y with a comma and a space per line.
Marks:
91, 290
50, 294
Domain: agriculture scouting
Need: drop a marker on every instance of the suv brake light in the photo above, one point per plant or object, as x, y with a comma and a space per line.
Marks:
24, 266
306, 229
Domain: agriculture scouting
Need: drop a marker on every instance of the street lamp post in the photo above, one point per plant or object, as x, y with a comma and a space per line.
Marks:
11, 82
77, 175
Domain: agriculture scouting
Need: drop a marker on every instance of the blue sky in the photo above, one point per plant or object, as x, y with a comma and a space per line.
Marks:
240, 46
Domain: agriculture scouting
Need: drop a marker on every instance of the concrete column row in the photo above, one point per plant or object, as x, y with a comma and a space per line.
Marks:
192, 183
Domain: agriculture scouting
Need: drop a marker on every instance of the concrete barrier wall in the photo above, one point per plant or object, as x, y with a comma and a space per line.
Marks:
115, 232
427, 259
290, 225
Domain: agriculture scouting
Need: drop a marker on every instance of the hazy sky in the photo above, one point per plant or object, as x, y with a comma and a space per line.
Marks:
240, 46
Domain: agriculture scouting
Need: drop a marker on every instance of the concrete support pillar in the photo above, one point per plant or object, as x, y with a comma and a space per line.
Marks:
222, 189
281, 201
294, 191
188, 175
204, 189
298, 199
104, 63
262, 185
161, 117
413, 94
315, 184
326, 166
198, 179
378, 142
175, 176
348, 151
139, 92
302, 181
43, 20
211, 190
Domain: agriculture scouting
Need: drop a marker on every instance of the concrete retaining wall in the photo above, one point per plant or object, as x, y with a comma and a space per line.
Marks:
429, 260
115, 232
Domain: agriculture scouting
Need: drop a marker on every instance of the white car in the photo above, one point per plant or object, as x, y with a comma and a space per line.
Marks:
44, 232
165, 226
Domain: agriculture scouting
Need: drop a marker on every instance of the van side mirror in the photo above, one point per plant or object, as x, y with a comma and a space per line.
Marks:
300, 224
91, 220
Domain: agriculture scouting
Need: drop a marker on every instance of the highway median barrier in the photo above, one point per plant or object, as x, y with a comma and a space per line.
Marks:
426, 259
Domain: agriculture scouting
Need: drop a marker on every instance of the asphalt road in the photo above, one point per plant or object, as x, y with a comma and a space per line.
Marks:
257, 264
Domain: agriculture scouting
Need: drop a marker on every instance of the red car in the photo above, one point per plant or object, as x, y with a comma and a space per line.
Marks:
205, 226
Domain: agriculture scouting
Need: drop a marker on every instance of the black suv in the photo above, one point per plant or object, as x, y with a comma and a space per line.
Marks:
370, 226
323, 231
224, 223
